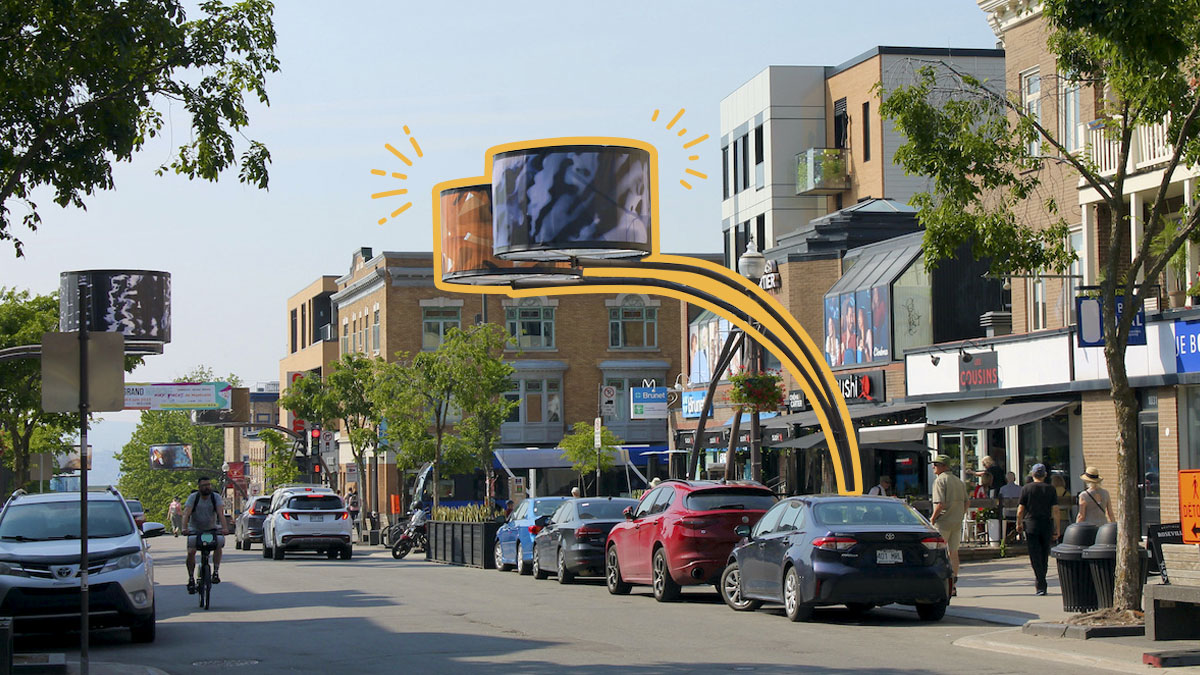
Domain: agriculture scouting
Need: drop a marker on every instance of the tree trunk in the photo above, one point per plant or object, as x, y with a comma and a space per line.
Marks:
731, 454
1127, 501
360, 461
437, 474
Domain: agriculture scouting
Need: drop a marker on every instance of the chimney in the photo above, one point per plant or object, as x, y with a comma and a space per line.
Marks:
996, 323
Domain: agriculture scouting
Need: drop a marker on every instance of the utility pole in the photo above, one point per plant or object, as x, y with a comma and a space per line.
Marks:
84, 306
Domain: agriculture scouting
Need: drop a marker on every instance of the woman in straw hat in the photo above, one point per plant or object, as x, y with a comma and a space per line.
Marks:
1095, 505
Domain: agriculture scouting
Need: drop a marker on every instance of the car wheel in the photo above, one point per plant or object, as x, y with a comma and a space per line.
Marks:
522, 566
933, 611
665, 588
266, 550
730, 587
143, 631
612, 574
795, 609
859, 608
564, 575
538, 572
331, 554
276, 553
498, 554
347, 552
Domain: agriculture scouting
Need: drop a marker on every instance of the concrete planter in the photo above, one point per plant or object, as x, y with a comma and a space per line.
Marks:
468, 544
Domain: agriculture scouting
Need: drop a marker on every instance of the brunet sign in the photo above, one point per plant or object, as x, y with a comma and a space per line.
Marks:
981, 372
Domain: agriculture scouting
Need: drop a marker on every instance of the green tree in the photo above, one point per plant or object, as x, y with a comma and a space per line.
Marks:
280, 467
84, 82
978, 146
482, 403
579, 447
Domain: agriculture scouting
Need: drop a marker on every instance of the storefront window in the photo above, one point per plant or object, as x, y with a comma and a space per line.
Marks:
1046, 441
963, 446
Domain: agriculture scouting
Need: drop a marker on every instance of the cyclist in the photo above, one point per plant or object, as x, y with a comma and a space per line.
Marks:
204, 512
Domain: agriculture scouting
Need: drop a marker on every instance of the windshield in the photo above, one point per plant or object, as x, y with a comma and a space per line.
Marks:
315, 503
730, 498
546, 507
60, 520
866, 512
261, 504
603, 510
135, 506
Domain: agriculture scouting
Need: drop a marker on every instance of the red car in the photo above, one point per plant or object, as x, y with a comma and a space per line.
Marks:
681, 534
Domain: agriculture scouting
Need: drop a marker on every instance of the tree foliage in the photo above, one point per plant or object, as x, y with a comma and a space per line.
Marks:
280, 466
85, 81
975, 144
579, 447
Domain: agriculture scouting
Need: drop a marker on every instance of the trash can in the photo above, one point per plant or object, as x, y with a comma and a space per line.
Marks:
1078, 591
1101, 559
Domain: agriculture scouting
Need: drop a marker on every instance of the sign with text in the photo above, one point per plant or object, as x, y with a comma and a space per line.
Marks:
648, 403
981, 372
1187, 346
296, 424
1090, 330
797, 401
1189, 505
171, 456
865, 387
178, 396
693, 403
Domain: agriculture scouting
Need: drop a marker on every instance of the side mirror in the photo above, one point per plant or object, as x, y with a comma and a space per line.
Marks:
742, 531
628, 513
153, 530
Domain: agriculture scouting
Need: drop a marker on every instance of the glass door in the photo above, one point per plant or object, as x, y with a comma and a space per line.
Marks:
1148, 477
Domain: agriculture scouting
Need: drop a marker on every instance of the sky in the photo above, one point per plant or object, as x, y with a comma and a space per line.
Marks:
463, 76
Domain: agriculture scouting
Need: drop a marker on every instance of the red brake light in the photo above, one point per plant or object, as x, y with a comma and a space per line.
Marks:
934, 543
288, 515
588, 531
695, 523
534, 529
834, 543
345, 515
252, 511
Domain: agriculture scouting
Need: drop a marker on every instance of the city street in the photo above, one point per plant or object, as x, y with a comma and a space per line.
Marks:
375, 614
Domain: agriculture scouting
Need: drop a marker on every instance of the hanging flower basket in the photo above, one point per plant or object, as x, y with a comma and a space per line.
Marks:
760, 392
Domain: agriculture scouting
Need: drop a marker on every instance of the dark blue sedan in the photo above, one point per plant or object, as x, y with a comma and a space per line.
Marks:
514, 540
572, 542
857, 551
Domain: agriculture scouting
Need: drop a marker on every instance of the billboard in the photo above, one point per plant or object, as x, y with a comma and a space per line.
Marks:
858, 327
179, 396
135, 303
706, 337
171, 456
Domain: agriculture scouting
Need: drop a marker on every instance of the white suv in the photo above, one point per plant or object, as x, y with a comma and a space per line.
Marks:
307, 518
39, 563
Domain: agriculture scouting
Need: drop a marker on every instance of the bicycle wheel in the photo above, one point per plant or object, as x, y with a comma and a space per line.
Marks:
202, 586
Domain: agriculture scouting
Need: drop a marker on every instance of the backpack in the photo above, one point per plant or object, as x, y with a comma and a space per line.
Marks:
212, 497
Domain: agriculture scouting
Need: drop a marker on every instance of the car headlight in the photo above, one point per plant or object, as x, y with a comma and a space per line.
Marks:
124, 562
12, 570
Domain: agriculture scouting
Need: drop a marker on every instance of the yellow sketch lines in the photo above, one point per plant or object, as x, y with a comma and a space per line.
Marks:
687, 145
397, 175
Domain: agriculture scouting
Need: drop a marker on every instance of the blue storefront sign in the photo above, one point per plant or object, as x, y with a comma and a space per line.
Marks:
648, 403
693, 403
1187, 346
1090, 327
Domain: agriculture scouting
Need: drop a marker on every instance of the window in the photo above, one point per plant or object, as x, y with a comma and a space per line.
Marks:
1037, 304
793, 519
303, 325
354, 336
745, 162
1075, 241
760, 231
647, 503
841, 123
538, 401
346, 337
530, 325
759, 158
737, 174
437, 321
725, 171
632, 325
375, 331
1031, 101
293, 343
1070, 132
664, 501
866, 131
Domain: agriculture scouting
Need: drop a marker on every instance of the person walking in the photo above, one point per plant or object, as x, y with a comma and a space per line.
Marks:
991, 468
1037, 518
1095, 504
352, 507
175, 514
949, 507
883, 488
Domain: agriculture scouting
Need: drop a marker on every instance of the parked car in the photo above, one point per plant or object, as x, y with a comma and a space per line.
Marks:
249, 525
514, 540
571, 543
137, 511
856, 551
681, 533
39, 564
307, 518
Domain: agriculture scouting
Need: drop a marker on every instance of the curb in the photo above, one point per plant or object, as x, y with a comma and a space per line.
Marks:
982, 642
983, 615
1062, 630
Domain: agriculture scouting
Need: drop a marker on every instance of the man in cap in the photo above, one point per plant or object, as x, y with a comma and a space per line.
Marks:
949, 507
1037, 518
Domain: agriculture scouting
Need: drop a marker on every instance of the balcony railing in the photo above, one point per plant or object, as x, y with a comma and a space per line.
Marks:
1149, 147
325, 333
821, 171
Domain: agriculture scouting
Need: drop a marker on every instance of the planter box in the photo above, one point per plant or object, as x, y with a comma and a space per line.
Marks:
468, 544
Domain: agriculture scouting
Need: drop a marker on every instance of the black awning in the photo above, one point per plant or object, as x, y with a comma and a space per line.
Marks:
1008, 415
808, 418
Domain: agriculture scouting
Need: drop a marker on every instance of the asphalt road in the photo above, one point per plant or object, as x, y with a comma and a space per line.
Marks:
373, 614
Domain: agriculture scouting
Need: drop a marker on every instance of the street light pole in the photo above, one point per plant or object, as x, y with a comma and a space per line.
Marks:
753, 265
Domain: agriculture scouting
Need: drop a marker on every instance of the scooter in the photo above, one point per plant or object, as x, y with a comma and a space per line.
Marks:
412, 537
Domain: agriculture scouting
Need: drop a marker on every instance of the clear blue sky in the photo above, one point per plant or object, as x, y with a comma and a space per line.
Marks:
463, 76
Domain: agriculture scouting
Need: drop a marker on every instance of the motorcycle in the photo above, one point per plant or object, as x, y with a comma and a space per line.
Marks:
412, 537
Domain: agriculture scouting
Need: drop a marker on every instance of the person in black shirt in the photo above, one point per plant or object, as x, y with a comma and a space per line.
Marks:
1038, 519
991, 468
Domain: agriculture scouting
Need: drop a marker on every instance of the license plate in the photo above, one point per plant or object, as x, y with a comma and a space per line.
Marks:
316, 519
889, 556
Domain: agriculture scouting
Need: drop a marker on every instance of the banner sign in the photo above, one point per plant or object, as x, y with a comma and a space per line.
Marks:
1090, 329
648, 403
693, 403
171, 456
1187, 346
178, 396
858, 327
982, 372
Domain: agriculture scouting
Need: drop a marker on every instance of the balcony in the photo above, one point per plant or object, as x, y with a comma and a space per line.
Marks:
821, 171
1148, 148
325, 333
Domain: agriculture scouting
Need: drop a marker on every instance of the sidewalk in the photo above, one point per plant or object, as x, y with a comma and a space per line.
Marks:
1001, 592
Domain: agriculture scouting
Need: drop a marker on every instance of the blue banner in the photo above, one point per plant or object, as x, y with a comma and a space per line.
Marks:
1187, 346
1090, 326
693, 403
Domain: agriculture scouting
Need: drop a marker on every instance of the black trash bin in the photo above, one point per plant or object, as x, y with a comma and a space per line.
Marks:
1078, 591
1101, 559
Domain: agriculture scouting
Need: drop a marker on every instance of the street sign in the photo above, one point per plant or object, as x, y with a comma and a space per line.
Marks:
327, 444
596, 435
1189, 505
180, 396
648, 403
60, 371
608, 400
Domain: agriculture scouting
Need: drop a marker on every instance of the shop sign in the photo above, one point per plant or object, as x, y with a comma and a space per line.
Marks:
1090, 329
771, 279
648, 403
685, 440
797, 401
693, 403
865, 387
777, 436
982, 372
1187, 346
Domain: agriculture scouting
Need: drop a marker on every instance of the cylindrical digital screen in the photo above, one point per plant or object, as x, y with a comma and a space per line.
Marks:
467, 256
135, 303
561, 202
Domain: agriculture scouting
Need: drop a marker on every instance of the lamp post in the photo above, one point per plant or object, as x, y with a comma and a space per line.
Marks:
753, 265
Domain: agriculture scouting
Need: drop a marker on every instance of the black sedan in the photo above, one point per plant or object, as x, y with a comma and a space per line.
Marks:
570, 543
249, 525
857, 551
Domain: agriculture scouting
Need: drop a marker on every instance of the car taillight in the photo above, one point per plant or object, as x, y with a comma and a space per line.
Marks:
344, 515
834, 543
287, 515
934, 543
588, 531
534, 529
695, 523
252, 511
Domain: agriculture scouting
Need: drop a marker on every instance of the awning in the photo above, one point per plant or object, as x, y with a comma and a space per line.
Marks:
516, 459
746, 418
802, 443
808, 418
893, 433
1008, 415
818, 441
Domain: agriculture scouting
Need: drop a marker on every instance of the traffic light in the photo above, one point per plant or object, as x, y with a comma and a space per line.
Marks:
316, 466
314, 432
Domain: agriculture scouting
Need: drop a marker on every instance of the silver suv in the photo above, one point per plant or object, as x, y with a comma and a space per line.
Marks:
39, 563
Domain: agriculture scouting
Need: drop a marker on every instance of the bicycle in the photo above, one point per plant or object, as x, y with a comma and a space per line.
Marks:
206, 542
